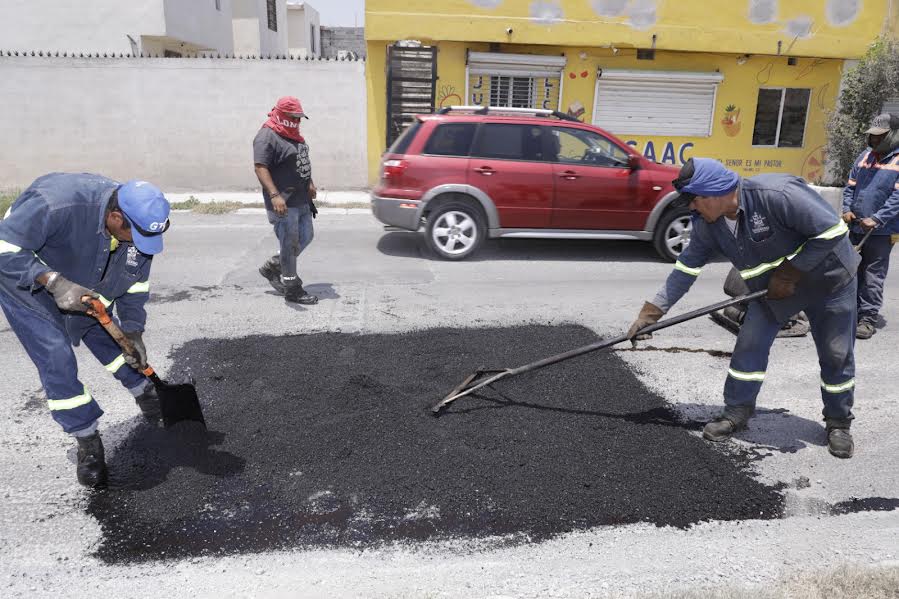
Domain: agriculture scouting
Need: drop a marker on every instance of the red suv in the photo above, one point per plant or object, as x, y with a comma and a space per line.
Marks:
468, 173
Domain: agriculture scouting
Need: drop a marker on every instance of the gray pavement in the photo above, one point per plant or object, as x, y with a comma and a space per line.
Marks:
206, 285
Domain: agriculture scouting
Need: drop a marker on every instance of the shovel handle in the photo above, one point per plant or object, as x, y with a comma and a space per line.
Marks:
98, 311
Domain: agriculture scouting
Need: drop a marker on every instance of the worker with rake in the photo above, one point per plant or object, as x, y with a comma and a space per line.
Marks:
784, 237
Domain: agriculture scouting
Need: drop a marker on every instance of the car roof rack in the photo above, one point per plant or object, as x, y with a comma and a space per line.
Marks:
482, 110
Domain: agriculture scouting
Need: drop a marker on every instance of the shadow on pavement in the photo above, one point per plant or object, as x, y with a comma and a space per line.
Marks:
774, 429
403, 244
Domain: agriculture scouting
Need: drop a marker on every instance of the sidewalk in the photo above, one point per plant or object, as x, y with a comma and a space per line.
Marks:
255, 197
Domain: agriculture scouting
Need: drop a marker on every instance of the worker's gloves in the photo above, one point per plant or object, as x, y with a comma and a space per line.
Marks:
138, 360
649, 314
783, 281
848, 217
68, 295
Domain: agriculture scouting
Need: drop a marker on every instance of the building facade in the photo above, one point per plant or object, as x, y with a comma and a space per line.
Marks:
749, 83
260, 27
304, 31
157, 27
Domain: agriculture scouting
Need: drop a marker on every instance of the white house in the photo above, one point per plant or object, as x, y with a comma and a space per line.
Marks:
163, 27
260, 27
304, 32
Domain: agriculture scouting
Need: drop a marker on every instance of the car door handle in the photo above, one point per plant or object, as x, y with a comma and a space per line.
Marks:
485, 170
570, 175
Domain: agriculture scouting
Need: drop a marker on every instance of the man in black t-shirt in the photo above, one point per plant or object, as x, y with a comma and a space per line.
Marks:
281, 159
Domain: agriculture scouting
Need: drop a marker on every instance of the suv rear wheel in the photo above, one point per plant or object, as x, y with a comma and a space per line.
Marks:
672, 234
455, 230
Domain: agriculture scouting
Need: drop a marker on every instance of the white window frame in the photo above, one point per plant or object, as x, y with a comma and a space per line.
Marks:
533, 66
780, 114
661, 78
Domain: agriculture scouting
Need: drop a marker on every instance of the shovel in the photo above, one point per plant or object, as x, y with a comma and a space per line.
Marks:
177, 402
482, 378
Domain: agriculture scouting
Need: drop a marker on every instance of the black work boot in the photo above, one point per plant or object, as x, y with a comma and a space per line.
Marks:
91, 461
839, 439
730, 421
271, 270
148, 402
296, 294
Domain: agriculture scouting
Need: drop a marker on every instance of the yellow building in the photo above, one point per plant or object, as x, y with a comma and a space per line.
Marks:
749, 82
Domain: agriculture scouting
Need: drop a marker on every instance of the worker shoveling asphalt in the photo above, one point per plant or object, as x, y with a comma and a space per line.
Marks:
67, 238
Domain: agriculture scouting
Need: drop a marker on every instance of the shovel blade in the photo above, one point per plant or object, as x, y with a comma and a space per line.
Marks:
179, 403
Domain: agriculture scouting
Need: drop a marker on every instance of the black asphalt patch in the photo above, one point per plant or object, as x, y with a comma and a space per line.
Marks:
328, 440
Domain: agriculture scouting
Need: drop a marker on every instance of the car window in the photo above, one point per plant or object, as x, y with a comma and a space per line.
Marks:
451, 139
511, 142
402, 142
578, 146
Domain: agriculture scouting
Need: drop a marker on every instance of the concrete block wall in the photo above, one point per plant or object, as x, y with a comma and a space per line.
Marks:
335, 39
185, 124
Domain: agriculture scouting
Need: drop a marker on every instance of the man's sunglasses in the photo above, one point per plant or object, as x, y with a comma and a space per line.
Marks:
144, 232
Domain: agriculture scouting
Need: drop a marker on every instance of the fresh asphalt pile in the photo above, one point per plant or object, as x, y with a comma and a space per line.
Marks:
327, 440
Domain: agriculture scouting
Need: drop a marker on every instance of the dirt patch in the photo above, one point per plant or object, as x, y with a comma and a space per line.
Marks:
328, 440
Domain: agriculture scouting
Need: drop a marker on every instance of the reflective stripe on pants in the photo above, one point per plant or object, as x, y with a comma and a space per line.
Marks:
38, 324
833, 321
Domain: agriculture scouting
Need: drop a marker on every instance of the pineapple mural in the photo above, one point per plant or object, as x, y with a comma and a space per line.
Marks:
731, 120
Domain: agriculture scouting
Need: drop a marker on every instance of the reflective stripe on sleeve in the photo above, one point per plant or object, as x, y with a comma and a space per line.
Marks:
8, 248
835, 231
841, 228
106, 302
143, 287
838, 388
746, 376
71, 403
684, 268
114, 366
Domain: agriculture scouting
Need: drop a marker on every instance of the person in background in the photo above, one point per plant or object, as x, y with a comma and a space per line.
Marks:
281, 160
871, 203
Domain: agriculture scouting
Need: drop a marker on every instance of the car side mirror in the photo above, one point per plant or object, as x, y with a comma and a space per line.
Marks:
633, 162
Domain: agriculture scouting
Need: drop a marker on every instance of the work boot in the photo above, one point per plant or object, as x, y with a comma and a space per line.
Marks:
839, 439
295, 293
148, 402
91, 469
865, 329
271, 270
730, 421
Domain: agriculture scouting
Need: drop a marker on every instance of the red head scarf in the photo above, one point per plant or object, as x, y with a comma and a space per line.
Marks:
282, 124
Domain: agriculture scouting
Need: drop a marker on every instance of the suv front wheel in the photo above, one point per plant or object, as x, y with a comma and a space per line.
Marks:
672, 234
455, 230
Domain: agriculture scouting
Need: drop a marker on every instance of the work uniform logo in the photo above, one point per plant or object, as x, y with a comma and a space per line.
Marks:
759, 225
132, 256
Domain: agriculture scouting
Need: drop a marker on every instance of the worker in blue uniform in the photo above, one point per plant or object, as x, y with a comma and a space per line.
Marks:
783, 237
871, 204
66, 237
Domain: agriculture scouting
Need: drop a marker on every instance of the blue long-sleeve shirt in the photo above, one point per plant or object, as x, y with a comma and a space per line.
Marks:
780, 218
59, 224
873, 191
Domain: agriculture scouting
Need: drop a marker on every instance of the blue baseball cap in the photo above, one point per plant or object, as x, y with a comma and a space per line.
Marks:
147, 211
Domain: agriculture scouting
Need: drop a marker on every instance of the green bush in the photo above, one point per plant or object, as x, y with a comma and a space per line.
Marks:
866, 87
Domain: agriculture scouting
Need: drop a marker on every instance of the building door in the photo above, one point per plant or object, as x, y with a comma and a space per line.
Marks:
411, 85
